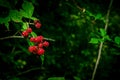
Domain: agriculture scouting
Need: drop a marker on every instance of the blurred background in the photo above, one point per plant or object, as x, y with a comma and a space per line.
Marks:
71, 23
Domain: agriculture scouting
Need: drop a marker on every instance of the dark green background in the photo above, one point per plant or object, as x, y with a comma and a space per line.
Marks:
70, 54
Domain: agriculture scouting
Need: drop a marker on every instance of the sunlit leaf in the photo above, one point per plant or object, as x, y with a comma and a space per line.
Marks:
24, 26
94, 40
33, 34
28, 9
102, 32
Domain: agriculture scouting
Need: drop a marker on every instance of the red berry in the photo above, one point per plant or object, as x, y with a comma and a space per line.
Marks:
40, 45
39, 39
45, 43
32, 49
29, 30
32, 39
25, 33
38, 25
40, 51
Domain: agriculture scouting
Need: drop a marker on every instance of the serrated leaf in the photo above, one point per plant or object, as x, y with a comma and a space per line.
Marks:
102, 32
56, 78
94, 40
117, 40
15, 16
28, 9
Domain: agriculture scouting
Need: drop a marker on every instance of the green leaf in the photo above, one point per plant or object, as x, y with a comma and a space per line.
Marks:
98, 16
24, 26
56, 78
42, 58
102, 32
107, 38
15, 16
33, 34
94, 40
30, 43
5, 21
33, 18
117, 40
76, 78
28, 9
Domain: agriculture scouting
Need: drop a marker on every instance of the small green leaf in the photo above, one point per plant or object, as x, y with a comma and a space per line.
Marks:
117, 40
98, 16
24, 26
42, 58
28, 9
94, 40
102, 32
56, 78
33, 34
107, 38
30, 43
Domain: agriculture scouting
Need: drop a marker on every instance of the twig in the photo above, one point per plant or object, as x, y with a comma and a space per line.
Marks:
27, 71
101, 44
8, 37
81, 9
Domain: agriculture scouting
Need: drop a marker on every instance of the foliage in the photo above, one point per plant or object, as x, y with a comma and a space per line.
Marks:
75, 28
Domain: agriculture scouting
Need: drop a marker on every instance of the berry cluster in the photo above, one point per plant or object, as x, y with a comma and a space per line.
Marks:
39, 41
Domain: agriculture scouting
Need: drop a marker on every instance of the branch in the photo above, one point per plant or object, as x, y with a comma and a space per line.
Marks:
101, 44
81, 9
8, 37
32, 69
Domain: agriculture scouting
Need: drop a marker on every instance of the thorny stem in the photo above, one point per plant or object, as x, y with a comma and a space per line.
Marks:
101, 44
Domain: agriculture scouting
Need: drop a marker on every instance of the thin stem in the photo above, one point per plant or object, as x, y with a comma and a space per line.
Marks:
32, 69
101, 44
8, 37
81, 9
